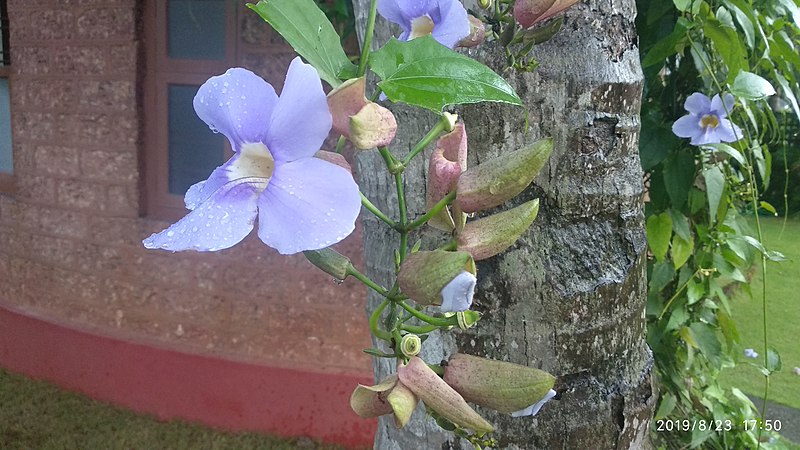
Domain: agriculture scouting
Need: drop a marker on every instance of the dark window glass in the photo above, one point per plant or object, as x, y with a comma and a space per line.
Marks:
196, 29
194, 150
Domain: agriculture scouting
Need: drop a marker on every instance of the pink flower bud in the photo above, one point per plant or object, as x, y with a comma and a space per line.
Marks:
497, 180
477, 33
365, 123
424, 275
530, 12
447, 162
438, 396
489, 236
502, 386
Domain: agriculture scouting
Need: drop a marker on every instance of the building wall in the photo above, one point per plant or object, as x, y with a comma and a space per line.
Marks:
70, 236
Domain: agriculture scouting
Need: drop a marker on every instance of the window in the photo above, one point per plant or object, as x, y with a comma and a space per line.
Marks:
192, 40
6, 151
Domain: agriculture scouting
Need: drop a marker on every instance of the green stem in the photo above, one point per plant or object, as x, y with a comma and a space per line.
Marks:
677, 293
401, 205
437, 208
340, 144
424, 329
362, 63
374, 318
367, 281
426, 318
442, 125
374, 210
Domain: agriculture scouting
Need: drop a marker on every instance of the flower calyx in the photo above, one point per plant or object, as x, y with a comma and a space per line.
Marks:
366, 124
429, 276
505, 387
491, 183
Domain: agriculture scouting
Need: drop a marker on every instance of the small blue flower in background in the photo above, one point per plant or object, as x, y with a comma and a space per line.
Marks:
445, 20
707, 121
750, 353
302, 202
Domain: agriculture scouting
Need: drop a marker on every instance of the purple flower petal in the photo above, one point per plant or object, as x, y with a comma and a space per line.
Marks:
301, 120
727, 131
708, 136
687, 126
238, 104
453, 25
698, 104
457, 294
252, 161
722, 110
309, 204
534, 408
391, 11
220, 222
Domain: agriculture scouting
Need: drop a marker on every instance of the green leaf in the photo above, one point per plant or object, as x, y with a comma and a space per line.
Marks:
745, 20
310, 33
682, 5
424, 73
768, 207
751, 86
728, 45
681, 250
679, 174
662, 274
715, 185
706, 339
668, 402
659, 231
680, 224
728, 150
774, 363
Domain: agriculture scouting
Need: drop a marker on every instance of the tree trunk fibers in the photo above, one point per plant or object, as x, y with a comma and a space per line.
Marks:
569, 296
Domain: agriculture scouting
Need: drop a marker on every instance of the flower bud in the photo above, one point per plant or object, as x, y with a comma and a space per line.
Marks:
410, 345
485, 4
373, 126
365, 123
330, 261
477, 33
447, 162
489, 236
491, 183
530, 12
389, 396
438, 396
457, 294
423, 275
502, 386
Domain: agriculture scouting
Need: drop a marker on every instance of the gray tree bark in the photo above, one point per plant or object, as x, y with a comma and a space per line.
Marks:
569, 296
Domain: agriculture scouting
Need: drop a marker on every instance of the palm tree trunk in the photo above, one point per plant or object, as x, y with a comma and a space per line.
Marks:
569, 296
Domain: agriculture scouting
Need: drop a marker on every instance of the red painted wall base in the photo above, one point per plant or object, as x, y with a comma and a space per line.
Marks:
170, 384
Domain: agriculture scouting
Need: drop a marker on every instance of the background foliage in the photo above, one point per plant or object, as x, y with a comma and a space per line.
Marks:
701, 247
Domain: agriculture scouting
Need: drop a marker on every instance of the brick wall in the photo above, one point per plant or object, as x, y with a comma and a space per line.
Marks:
70, 235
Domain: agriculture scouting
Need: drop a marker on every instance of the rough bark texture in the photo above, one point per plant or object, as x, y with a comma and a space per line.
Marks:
569, 296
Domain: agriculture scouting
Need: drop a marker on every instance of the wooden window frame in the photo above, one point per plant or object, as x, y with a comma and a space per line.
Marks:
161, 72
7, 180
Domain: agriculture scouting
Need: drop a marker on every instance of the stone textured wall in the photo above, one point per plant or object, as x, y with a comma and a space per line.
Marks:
70, 235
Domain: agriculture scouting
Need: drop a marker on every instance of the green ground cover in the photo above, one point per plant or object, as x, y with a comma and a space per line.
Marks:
38, 416
783, 316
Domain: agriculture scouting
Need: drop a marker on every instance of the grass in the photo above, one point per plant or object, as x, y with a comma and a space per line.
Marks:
783, 315
35, 415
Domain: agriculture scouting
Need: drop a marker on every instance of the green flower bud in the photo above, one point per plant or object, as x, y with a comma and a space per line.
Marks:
485, 4
365, 123
330, 261
495, 181
530, 12
438, 396
410, 345
467, 319
423, 275
502, 386
489, 236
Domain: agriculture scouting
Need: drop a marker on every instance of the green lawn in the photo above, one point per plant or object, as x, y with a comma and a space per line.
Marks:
783, 316
38, 416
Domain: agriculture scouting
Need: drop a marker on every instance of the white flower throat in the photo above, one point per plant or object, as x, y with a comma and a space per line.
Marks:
421, 26
709, 120
254, 161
